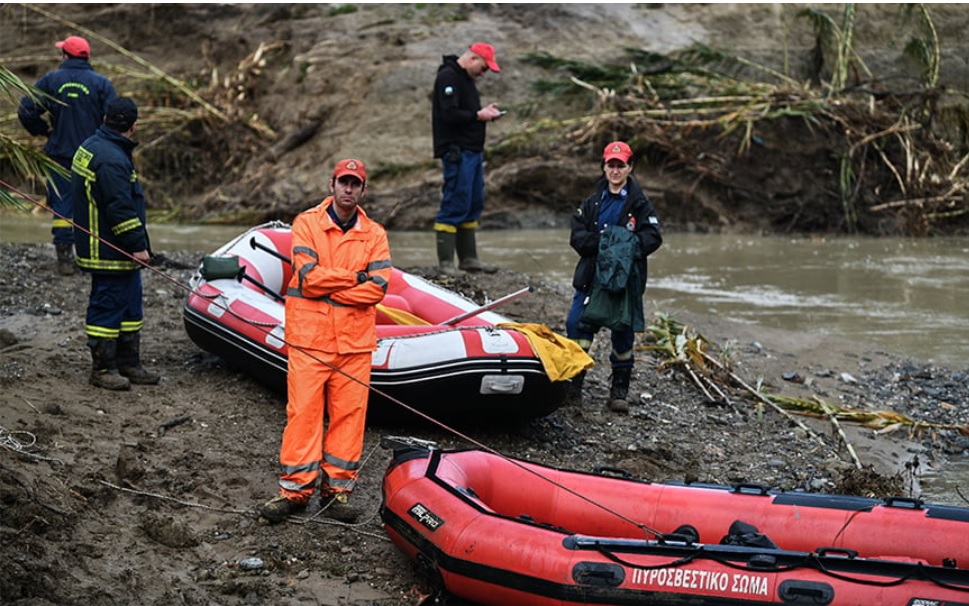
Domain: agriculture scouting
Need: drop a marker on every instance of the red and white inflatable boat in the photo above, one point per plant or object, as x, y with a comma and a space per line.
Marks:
467, 369
469, 522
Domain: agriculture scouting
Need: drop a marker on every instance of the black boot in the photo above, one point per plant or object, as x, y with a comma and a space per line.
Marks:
65, 259
468, 253
129, 360
619, 389
105, 372
573, 393
445, 252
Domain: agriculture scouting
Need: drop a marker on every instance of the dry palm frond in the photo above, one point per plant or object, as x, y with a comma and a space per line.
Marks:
883, 421
25, 160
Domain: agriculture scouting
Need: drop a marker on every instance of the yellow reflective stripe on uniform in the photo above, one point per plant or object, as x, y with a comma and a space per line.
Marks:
101, 332
105, 264
58, 222
132, 325
130, 224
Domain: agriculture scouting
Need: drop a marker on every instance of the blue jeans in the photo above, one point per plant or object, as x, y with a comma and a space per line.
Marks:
577, 330
462, 195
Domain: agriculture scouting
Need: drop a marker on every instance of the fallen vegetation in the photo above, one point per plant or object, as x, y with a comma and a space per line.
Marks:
817, 143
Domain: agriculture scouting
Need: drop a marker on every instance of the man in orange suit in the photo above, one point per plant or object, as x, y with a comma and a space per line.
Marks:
341, 268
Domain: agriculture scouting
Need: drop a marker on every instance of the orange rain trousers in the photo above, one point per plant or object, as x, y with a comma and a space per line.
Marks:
315, 388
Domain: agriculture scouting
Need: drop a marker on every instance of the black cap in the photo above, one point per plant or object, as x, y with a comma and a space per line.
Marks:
121, 114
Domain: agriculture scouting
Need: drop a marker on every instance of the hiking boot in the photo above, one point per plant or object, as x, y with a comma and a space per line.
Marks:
109, 379
618, 405
619, 389
573, 391
139, 375
104, 371
65, 259
129, 360
278, 508
338, 508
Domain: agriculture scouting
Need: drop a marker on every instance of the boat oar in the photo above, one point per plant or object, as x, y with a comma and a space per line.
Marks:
256, 245
215, 268
401, 318
488, 307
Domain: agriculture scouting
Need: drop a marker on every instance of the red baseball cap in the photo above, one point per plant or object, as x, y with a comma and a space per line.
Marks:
486, 52
350, 167
75, 46
617, 150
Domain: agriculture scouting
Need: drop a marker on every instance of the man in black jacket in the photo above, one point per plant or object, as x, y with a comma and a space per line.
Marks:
458, 122
111, 237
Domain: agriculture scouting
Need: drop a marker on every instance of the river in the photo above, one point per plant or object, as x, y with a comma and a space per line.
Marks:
904, 296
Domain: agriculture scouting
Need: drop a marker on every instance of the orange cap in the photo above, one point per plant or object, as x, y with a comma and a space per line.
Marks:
350, 167
486, 52
617, 150
75, 46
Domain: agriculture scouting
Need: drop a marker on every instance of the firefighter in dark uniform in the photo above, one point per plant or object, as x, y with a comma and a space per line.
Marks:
78, 97
112, 244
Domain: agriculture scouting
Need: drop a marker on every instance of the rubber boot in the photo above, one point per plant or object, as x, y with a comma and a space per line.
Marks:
619, 390
129, 360
65, 259
573, 393
468, 253
445, 252
105, 373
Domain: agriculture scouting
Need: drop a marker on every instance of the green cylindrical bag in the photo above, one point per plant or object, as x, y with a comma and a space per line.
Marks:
215, 268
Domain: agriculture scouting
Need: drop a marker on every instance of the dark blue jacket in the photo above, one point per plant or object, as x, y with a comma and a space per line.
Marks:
637, 213
86, 94
108, 202
454, 110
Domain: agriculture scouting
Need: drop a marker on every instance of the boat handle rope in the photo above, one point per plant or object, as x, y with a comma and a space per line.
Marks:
188, 288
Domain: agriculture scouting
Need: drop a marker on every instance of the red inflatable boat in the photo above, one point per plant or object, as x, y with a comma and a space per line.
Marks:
438, 352
502, 531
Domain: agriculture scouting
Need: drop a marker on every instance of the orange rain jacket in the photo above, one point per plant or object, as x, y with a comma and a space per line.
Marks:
338, 279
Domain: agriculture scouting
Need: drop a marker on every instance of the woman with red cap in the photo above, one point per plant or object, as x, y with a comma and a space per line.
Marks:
614, 231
